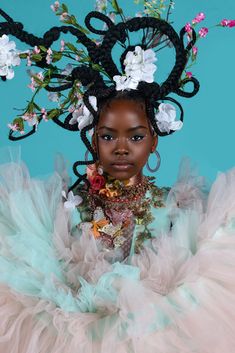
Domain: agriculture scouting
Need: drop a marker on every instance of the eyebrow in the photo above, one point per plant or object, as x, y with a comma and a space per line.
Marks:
131, 129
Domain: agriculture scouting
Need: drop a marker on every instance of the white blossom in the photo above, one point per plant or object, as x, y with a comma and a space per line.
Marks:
124, 82
166, 118
82, 116
139, 66
9, 57
72, 200
101, 5
53, 97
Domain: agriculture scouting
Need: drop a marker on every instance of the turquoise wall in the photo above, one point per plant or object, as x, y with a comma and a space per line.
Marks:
208, 133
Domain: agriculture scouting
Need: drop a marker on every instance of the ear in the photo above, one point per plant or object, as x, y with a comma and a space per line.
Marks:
154, 143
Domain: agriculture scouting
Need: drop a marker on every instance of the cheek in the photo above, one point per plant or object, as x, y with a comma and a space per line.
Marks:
141, 155
143, 149
105, 152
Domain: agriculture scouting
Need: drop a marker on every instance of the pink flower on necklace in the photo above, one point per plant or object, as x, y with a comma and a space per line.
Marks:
203, 32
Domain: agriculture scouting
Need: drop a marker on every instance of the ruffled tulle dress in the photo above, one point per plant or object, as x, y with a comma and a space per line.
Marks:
154, 273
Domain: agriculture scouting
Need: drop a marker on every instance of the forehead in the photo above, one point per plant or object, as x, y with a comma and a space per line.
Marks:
123, 114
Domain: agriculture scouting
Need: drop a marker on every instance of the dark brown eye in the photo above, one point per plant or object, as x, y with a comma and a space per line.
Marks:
137, 138
106, 137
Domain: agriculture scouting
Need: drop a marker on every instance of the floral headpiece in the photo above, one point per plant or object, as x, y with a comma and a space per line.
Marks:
92, 73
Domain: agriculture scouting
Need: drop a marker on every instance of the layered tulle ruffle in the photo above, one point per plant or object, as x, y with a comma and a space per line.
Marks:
60, 293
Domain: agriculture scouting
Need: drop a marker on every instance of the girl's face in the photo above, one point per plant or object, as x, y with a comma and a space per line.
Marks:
123, 139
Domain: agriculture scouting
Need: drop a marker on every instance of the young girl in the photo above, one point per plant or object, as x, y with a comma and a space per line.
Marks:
117, 263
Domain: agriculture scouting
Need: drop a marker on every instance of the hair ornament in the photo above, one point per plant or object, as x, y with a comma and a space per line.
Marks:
139, 66
81, 115
166, 118
9, 57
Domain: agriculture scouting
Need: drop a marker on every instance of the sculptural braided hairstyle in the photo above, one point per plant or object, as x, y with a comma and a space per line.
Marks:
151, 93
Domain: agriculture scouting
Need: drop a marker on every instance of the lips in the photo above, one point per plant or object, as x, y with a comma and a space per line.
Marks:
122, 165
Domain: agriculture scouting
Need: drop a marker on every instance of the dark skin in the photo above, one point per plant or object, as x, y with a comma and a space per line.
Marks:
124, 139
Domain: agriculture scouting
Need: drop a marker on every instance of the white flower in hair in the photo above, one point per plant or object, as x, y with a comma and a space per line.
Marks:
82, 116
124, 82
140, 64
165, 118
72, 200
9, 57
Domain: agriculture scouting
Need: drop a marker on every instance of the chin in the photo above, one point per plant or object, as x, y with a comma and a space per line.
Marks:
121, 174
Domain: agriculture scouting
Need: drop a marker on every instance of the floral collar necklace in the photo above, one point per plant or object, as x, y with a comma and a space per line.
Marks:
106, 187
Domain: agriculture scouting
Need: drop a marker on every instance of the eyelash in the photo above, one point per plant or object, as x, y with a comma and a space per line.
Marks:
103, 137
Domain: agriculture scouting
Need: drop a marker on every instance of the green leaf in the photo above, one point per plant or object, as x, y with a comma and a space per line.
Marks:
71, 93
30, 108
116, 6
96, 67
64, 8
71, 47
46, 82
36, 107
37, 80
42, 48
36, 57
54, 113
73, 20
56, 56
23, 55
48, 73
19, 122
82, 29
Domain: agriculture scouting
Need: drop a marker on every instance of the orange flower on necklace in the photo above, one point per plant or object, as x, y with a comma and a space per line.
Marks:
108, 192
97, 225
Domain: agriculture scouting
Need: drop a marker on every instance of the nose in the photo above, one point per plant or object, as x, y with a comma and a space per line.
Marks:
121, 147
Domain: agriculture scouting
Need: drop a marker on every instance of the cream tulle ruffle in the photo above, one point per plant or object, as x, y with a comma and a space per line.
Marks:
60, 294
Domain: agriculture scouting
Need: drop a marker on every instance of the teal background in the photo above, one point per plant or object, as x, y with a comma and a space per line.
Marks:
208, 133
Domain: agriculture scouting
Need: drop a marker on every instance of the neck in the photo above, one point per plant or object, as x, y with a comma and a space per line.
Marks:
136, 179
